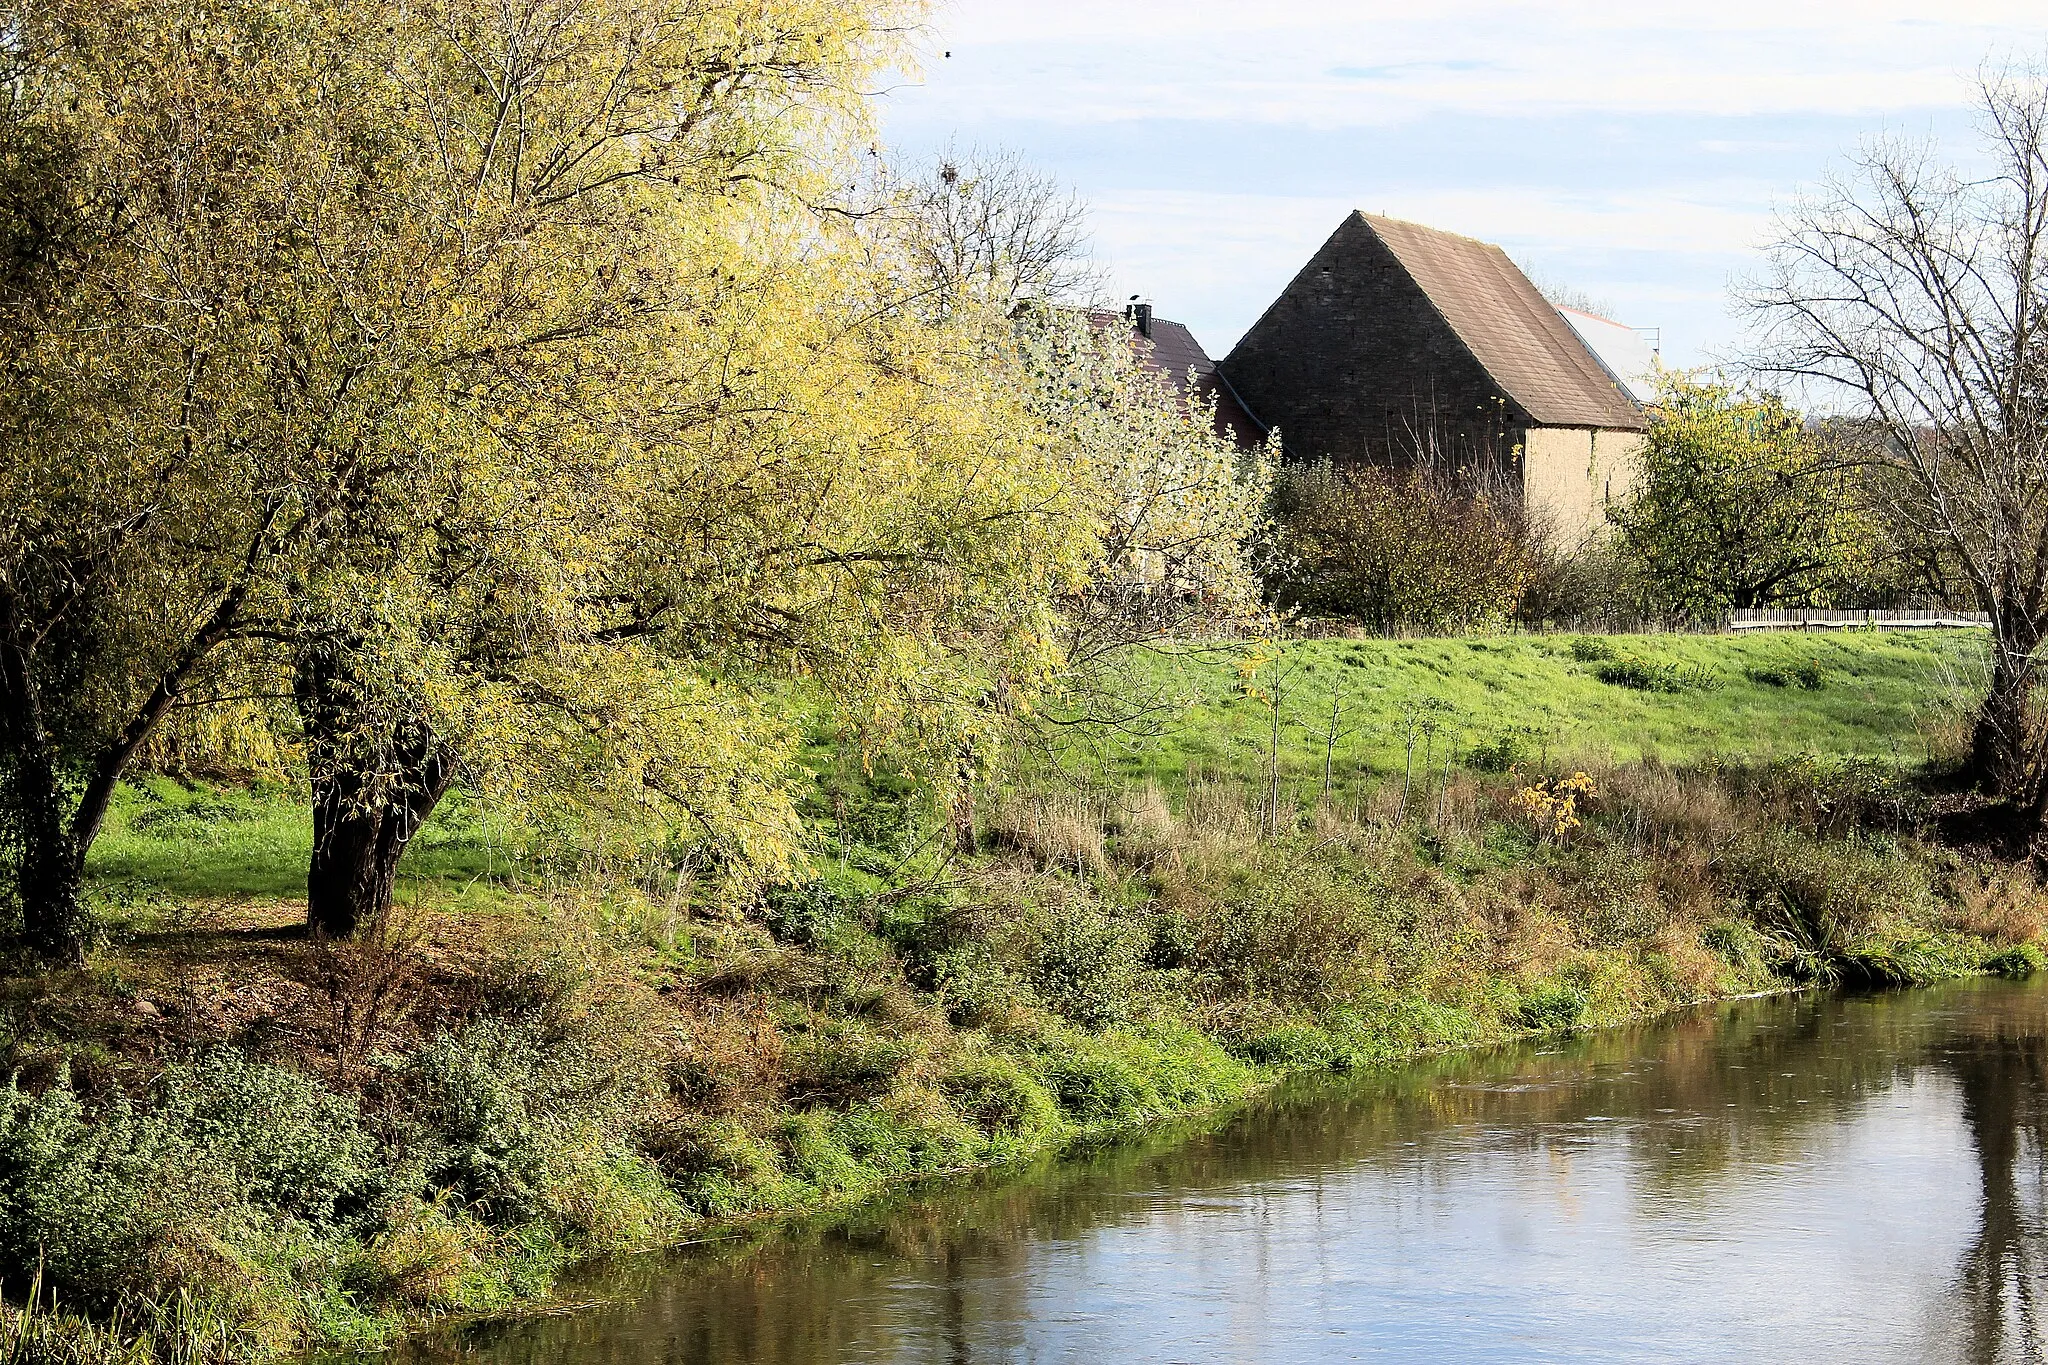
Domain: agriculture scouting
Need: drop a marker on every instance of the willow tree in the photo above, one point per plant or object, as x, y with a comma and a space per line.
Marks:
163, 415
366, 334
1915, 293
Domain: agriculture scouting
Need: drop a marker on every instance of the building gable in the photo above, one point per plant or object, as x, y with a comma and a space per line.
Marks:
1354, 360
1396, 338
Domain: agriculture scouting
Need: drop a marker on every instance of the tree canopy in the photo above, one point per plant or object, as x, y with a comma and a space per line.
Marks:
497, 382
1740, 504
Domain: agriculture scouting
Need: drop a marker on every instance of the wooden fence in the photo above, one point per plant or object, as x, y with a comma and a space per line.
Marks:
1780, 618
1812, 618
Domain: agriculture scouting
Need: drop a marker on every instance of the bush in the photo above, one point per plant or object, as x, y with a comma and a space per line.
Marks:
1294, 1045
2018, 963
997, 1096
977, 988
143, 1197
717, 1166
1499, 755
1826, 896
812, 1153
1644, 676
425, 1258
1912, 959
1174, 941
1417, 548
806, 916
1553, 1007
910, 1132
842, 1061
1300, 935
521, 1122
1084, 966
1098, 1088
205, 818
1591, 649
1808, 675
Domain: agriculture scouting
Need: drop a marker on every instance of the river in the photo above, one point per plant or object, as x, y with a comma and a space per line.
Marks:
1796, 1178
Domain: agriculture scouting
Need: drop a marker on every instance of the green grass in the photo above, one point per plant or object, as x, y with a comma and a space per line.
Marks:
1519, 698
255, 842
1494, 700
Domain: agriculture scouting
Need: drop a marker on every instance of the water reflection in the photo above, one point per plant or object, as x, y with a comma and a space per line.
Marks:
1834, 1178
2000, 1063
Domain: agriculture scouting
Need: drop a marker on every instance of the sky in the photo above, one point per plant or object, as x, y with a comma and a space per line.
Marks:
1632, 152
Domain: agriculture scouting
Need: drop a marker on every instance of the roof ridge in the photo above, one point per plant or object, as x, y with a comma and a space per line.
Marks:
1517, 337
1422, 227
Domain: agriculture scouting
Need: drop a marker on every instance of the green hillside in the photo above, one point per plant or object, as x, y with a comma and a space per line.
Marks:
1881, 695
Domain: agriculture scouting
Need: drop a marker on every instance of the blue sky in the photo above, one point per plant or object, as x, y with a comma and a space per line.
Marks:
1634, 152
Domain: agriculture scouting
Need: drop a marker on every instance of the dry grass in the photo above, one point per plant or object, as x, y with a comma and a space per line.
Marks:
2004, 904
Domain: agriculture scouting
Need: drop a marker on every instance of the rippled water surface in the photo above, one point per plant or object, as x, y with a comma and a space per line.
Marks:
1812, 1178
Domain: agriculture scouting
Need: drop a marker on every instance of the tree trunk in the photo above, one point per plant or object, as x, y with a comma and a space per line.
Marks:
359, 835
961, 811
55, 921
50, 874
1998, 739
371, 794
2004, 742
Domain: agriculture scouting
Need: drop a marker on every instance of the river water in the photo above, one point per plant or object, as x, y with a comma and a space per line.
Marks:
1798, 1178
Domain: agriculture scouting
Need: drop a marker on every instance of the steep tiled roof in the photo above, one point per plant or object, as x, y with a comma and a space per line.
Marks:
1173, 351
1510, 328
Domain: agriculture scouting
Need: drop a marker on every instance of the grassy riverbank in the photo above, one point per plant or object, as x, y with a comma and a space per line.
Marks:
244, 1142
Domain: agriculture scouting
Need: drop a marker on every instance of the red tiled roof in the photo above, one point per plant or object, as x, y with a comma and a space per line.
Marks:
1173, 351
1513, 331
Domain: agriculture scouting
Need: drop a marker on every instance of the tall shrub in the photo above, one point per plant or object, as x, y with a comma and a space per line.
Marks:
1418, 549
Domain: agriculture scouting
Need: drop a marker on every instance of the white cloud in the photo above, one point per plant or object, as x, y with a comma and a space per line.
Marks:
1325, 64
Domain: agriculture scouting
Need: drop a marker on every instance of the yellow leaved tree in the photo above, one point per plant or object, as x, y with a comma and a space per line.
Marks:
486, 364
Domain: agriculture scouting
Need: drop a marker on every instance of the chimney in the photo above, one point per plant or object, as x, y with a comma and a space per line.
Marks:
1141, 316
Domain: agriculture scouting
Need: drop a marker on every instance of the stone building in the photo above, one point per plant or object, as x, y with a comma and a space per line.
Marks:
1399, 343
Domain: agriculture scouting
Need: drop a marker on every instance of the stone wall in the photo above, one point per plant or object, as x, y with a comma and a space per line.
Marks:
1570, 474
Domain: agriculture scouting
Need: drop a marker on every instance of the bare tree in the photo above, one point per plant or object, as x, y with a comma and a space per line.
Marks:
988, 225
1921, 292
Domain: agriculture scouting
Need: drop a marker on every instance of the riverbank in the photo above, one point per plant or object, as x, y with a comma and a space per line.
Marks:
246, 1143
1660, 1191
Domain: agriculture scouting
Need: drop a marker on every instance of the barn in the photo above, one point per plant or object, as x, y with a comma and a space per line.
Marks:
1401, 343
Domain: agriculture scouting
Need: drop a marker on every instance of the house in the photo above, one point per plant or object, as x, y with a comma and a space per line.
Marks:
1400, 343
1171, 349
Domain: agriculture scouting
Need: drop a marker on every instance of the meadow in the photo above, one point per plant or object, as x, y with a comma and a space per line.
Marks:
1485, 703
1503, 700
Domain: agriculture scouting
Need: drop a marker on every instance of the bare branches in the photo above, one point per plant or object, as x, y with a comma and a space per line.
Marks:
1917, 299
986, 225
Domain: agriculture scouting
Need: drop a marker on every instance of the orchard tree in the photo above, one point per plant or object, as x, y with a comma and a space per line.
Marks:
1740, 504
1916, 295
1175, 506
